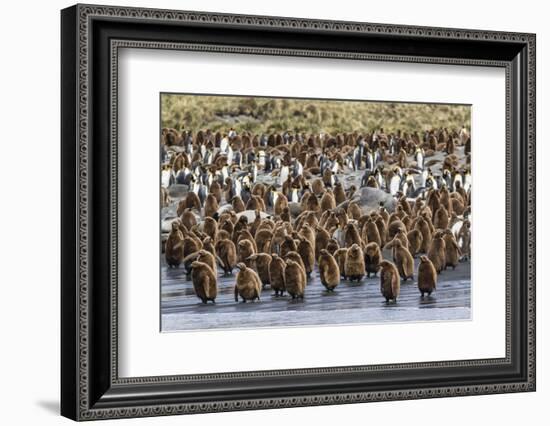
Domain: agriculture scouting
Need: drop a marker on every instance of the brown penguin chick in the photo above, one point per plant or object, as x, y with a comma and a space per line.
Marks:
287, 245
277, 274
173, 250
210, 205
204, 281
308, 217
312, 204
418, 206
371, 233
277, 238
390, 283
427, 276
259, 189
415, 241
339, 193
340, 257
285, 214
305, 199
191, 244
394, 227
433, 201
263, 240
382, 230
384, 213
402, 159
373, 256
355, 263
460, 194
295, 256
245, 234
188, 218
372, 183
210, 227
237, 204
402, 236
192, 201
445, 200
405, 205
332, 246
182, 205
261, 262
280, 203
245, 249
452, 251
317, 186
351, 235
458, 205
437, 252
332, 222
408, 222
403, 259
216, 191
203, 256
295, 279
362, 221
327, 201
450, 146
307, 232
399, 213
343, 219
354, 211
329, 271
307, 253
256, 222
226, 225
441, 218
248, 285
464, 237
266, 223
208, 245
222, 235
322, 237
241, 225
255, 203
423, 227
227, 252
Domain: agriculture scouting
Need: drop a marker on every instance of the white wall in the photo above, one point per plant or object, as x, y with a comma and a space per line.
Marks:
29, 176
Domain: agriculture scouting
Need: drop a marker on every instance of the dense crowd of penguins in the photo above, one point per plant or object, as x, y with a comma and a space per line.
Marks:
275, 231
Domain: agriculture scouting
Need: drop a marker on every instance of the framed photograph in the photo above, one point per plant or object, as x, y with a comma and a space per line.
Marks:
263, 212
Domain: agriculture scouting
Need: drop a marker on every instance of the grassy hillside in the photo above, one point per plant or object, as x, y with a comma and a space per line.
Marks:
268, 115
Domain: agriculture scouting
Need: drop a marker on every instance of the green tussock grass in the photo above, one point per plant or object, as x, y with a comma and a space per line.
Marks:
268, 115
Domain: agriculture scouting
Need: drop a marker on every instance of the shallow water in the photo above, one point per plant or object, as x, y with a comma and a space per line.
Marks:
351, 303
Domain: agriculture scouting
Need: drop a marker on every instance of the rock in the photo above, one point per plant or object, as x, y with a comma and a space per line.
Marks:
177, 190
372, 197
295, 209
169, 211
251, 215
225, 208
166, 224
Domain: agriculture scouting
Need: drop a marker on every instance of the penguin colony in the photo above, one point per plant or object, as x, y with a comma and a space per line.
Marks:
277, 232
